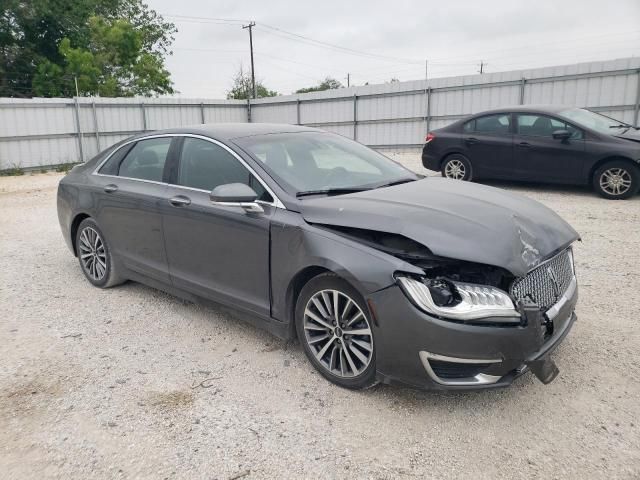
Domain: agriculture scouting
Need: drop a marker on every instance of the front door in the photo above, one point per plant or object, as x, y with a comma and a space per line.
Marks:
217, 252
541, 157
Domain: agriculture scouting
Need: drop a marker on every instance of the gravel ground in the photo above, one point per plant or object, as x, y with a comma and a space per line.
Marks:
132, 383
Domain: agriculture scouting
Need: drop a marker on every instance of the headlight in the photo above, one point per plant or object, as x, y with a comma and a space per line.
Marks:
460, 301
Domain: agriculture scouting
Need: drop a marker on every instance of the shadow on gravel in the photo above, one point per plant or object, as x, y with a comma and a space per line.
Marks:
578, 190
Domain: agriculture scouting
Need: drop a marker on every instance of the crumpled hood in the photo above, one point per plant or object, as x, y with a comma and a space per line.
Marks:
454, 219
629, 134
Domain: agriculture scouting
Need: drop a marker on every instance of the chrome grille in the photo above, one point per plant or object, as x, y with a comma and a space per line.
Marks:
545, 284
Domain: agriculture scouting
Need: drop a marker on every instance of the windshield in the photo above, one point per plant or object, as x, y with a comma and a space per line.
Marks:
318, 162
594, 121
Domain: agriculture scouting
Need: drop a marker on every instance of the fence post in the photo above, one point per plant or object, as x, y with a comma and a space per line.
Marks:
355, 117
428, 109
95, 125
144, 117
637, 109
298, 112
523, 82
202, 112
78, 128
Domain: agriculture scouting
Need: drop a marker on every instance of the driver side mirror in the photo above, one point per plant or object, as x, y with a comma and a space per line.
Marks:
236, 195
561, 134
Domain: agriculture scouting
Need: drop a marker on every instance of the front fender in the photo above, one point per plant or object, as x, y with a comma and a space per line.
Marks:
296, 246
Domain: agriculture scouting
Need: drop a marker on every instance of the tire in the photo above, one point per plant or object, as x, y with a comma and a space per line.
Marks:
346, 360
617, 180
94, 255
457, 167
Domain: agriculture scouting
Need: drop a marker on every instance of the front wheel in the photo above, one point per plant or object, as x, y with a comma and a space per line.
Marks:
617, 180
457, 167
334, 328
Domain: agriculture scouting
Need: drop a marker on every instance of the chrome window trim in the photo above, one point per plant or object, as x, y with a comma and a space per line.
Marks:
277, 203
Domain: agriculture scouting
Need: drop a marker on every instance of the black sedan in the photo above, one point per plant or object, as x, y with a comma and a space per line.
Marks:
550, 144
382, 275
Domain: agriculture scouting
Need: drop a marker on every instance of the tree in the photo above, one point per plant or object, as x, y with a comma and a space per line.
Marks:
113, 47
327, 84
242, 87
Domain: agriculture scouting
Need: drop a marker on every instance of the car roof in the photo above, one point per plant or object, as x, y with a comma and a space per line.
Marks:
527, 108
229, 131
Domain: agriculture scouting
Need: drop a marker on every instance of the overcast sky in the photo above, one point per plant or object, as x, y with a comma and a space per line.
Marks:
381, 40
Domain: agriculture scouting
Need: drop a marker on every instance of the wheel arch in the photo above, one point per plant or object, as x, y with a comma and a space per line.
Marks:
297, 283
75, 223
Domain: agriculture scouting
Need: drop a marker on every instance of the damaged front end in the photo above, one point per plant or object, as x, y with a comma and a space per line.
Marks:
450, 289
540, 303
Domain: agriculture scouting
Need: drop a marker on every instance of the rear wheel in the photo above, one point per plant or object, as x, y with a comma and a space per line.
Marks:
335, 331
617, 180
95, 256
457, 167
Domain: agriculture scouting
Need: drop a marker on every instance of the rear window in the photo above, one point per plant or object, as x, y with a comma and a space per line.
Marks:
111, 166
499, 123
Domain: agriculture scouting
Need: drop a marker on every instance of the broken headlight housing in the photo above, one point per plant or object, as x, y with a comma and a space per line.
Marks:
459, 300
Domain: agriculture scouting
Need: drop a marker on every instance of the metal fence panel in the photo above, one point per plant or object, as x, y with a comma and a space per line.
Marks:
397, 115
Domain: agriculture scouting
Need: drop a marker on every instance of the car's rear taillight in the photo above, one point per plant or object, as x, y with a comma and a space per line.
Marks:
430, 136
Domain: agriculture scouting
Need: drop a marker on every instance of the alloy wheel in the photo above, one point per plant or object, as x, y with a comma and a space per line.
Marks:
615, 181
338, 333
455, 169
92, 254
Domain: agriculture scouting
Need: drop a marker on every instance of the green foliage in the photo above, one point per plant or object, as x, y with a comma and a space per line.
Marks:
14, 171
243, 87
327, 84
65, 167
112, 47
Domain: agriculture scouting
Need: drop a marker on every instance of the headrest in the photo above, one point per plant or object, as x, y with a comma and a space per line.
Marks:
147, 157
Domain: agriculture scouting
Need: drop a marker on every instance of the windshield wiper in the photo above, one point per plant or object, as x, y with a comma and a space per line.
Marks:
332, 191
397, 182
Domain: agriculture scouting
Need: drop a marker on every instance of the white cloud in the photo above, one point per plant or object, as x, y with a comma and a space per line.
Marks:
455, 36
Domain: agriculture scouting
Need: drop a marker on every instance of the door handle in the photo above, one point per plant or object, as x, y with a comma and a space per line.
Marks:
180, 201
524, 145
471, 140
110, 188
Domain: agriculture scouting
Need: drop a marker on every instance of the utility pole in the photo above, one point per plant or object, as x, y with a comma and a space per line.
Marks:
253, 73
426, 69
348, 80
482, 64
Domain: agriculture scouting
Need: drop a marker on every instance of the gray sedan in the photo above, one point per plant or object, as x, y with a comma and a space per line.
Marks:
381, 274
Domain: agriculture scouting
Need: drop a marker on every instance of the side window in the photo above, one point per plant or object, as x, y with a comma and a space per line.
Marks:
492, 124
205, 165
146, 160
111, 166
543, 126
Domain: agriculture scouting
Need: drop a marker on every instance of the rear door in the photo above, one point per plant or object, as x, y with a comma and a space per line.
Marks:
488, 143
130, 189
541, 157
217, 252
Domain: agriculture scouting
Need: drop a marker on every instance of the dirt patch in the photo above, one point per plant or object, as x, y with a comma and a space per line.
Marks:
171, 400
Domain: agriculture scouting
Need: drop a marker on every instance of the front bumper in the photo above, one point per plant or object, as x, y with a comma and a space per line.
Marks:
416, 349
